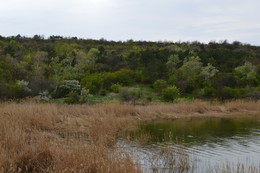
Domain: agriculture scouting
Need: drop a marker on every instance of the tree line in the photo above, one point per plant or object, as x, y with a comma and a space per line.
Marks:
59, 67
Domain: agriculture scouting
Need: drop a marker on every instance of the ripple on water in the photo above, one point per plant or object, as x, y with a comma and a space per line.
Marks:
208, 141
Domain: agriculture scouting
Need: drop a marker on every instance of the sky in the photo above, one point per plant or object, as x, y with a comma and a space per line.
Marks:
150, 20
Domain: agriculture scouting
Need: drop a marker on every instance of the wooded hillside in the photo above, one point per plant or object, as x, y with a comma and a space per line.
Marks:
59, 67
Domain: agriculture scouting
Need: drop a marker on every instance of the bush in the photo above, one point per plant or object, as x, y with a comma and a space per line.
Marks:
103, 92
123, 76
115, 88
130, 94
73, 97
23, 89
66, 87
135, 95
229, 93
169, 94
94, 82
159, 85
44, 96
84, 95
205, 92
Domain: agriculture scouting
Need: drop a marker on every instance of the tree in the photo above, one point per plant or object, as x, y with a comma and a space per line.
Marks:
39, 60
190, 69
173, 61
56, 66
208, 72
245, 74
92, 57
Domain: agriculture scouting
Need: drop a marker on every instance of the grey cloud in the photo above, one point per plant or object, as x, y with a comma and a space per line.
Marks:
201, 20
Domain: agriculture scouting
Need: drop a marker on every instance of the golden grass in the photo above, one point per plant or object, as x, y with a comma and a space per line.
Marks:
59, 138
81, 138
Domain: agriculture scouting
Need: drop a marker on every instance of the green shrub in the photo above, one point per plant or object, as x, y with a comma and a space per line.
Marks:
66, 87
115, 88
84, 95
229, 93
94, 82
123, 76
172, 79
169, 94
73, 97
159, 85
139, 76
205, 92
103, 92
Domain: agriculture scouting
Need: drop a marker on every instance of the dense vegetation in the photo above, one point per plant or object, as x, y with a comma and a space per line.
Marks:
75, 69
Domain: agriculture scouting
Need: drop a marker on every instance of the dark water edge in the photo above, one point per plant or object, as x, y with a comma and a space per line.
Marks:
206, 145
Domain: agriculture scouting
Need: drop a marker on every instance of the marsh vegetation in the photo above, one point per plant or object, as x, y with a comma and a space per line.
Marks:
84, 138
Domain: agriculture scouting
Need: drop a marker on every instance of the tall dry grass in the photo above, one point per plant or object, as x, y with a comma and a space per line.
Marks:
81, 138
60, 138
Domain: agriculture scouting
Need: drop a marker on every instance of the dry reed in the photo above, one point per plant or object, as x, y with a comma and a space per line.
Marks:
81, 138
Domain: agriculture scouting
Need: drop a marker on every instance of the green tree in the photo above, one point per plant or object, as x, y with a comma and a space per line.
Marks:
92, 57
245, 74
173, 62
190, 70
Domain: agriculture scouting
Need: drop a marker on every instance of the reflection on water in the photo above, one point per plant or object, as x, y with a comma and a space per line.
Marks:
200, 131
214, 141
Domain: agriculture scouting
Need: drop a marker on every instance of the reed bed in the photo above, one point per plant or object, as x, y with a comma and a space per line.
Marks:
48, 137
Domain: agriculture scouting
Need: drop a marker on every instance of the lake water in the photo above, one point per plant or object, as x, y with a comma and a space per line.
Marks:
206, 145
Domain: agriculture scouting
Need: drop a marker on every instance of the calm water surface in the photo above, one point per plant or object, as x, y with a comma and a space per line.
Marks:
209, 143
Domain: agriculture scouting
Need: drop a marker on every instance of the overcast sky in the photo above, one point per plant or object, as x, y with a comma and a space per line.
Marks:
172, 20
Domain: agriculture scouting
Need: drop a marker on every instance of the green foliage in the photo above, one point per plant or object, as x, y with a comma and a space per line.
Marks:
84, 95
73, 97
170, 93
159, 85
245, 74
92, 57
173, 62
206, 92
103, 92
123, 76
172, 79
94, 82
68, 87
197, 69
115, 88
229, 93
139, 76
190, 69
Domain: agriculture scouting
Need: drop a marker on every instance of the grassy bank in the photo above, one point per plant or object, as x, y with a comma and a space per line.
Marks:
81, 138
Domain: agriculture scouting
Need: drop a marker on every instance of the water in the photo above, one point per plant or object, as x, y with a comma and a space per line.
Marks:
208, 143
